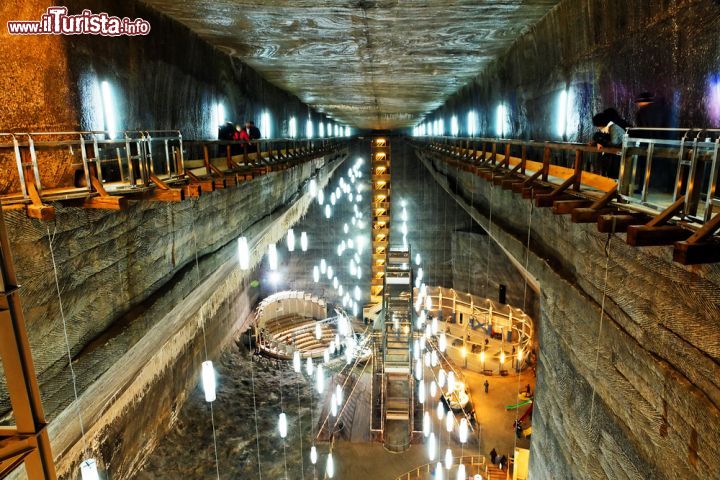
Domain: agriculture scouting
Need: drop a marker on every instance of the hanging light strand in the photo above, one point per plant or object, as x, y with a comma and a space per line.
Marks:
202, 324
51, 240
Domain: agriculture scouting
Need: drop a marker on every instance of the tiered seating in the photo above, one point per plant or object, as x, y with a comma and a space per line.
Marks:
298, 332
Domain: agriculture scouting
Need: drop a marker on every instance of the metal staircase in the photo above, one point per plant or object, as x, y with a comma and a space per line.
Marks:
397, 355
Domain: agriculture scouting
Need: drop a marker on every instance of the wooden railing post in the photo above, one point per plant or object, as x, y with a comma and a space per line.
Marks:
578, 169
547, 154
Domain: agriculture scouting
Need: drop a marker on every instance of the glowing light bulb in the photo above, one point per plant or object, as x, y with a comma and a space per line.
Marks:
451, 381
428, 303
291, 240
282, 425
432, 447
433, 389
441, 378
330, 466
438, 472
313, 187
328, 211
339, 394
482, 356
333, 406
418, 369
89, 470
303, 241
208, 380
435, 326
318, 331
426, 423
448, 459
427, 359
434, 360
421, 392
243, 253
330, 273
440, 411
313, 455
309, 367
463, 432
332, 198
320, 379
449, 422
316, 274
417, 259
357, 293
297, 364
326, 355
272, 257
321, 197
519, 356
502, 357
323, 266
442, 343
461, 472
346, 228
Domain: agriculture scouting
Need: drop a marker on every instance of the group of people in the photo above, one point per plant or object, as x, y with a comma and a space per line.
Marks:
247, 133
500, 461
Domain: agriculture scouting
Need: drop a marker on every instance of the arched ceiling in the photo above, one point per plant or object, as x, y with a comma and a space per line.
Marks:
378, 64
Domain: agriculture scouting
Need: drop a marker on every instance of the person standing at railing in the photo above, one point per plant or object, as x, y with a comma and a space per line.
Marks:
611, 130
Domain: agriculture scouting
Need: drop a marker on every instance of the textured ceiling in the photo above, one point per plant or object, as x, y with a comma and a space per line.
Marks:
369, 63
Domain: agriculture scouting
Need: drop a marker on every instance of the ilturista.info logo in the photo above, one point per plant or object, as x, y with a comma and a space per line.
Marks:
57, 21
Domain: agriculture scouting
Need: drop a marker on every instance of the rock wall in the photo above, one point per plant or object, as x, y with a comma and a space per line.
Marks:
125, 278
169, 79
480, 267
636, 394
605, 52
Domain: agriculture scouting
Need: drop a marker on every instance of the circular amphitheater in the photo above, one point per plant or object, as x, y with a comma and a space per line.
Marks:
482, 335
293, 320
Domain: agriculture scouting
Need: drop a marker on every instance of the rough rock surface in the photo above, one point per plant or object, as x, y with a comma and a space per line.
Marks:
637, 395
276, 389
370, 63
605, 52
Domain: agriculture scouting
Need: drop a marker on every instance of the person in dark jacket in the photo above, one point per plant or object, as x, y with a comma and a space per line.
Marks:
226, 131
493, 456
611, 131
253, 131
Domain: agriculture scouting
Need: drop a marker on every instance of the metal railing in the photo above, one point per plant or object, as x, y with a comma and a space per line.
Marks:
66, 165
651, 170
660, 166
473, 464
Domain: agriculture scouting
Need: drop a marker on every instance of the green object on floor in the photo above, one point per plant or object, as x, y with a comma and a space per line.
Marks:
518, 405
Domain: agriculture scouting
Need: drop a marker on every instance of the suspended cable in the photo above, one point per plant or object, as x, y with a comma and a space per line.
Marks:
602, 316
51, 240
527, 260
202, 324
487, 269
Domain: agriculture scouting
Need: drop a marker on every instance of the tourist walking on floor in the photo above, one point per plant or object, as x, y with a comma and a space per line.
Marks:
486, 385
493, 456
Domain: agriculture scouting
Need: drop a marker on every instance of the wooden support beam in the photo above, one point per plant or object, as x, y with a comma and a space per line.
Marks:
546, 200
701, 246
109, 202
695, 253
657, 231
37, 209
619, 223
590, 215
206, 184
192, 190
645, 236
159, 195
565, 207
